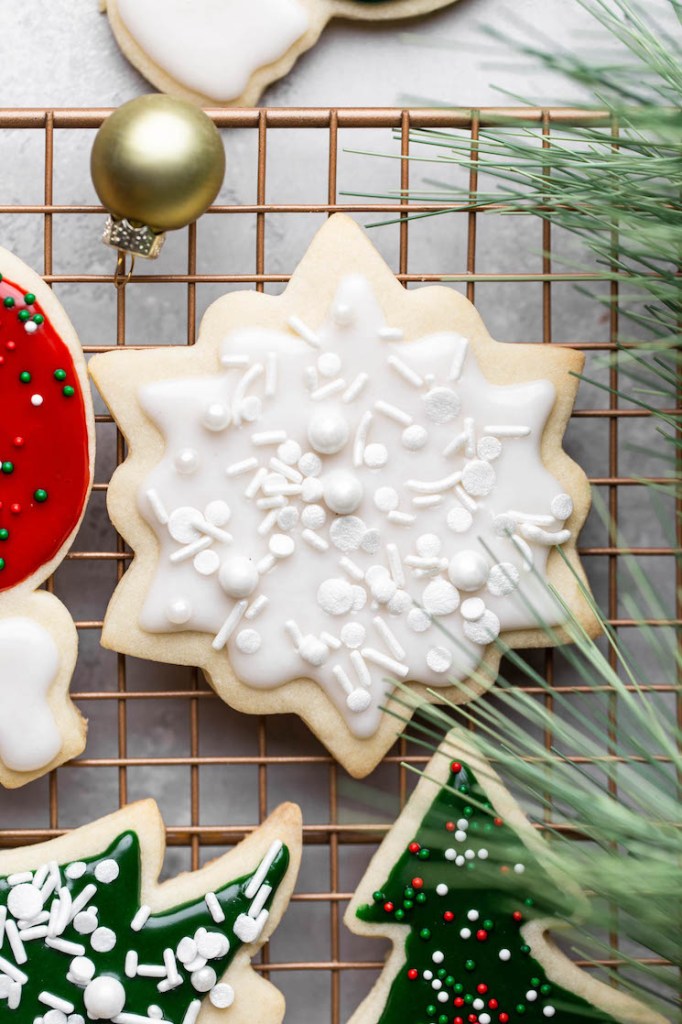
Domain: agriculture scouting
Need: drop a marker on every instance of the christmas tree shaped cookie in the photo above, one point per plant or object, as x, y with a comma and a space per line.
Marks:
46, 466
89, 934
339, 487
226, 52
460, 887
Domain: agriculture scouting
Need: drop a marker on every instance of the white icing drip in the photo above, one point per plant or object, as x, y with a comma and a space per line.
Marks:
29, 663
213, 47
383, 520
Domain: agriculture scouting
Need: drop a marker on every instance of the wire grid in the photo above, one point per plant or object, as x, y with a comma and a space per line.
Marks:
330, 986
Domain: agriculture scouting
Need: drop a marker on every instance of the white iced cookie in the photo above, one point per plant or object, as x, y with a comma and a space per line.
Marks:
362, 488
46, 466
225, 52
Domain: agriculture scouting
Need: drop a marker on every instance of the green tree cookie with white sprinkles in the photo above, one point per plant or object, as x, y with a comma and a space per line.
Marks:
87, 934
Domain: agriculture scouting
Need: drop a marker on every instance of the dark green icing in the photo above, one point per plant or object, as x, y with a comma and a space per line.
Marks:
488, 885
117, 904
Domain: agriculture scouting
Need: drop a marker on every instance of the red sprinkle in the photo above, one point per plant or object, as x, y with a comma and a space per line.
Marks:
15, 508
504, 869
517, 915
456, 767
472, 1018
493, 1004
414, 847
448, 916
503, 1018
481, 935
458, 1020
388, 907
482, 989
417, 883
18, 442
458, 1001
450, 826
498, 822
413, 974
11, 345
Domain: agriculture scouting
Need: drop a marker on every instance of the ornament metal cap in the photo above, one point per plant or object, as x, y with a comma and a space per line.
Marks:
138, 241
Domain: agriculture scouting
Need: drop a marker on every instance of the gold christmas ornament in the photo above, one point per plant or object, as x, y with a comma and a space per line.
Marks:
157, 164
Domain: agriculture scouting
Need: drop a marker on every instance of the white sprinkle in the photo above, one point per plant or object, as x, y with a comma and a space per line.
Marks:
330, 641
427, 500
342, 678
461, 349
256, 607
72, 948
393, 413
289, 452
136, 1018
240, 391
12, 971
107, 871
262, 870
192, 1012
395, 564
260, 900
24, 901
503, 579
362, 672
401, 518
458, 441
361, 438
391, 334
131, 963
20, 878
34, 932
386, 499
525, 550
472, 609
248, 641
289, 472
304, 331
55, 1002
478, 478
530, 517
548, 1011
467, 501
472, 915
171, 966
414, 437
36, 400
310, 378
265, 437
16, 945
354, 388
141, 918
539, 536
14, 994
230, 624
276, 502
314, 540
268, 522
353, 570
328, 389
439, 659
504, 954
294, 632
500, 430
465, 933
389, 638
221, 996
214, 908
441, 405
255, 483
562, 506
418, 620
405, 371
44, 870
190, 550
488, 448
271, 374
435, 486
519, 868
103, 940
237, 468
234, 360
442, 889
484, 630
396, 668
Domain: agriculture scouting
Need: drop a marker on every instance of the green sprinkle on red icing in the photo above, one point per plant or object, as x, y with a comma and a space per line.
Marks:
44, 457
466, 961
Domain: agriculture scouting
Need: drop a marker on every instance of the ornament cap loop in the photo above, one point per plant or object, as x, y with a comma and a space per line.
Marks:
121, 276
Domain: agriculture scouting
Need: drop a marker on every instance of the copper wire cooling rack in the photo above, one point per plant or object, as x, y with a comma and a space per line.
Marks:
160, 731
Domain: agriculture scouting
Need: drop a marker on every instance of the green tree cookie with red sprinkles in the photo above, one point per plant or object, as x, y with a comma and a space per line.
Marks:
44, 438
459, 888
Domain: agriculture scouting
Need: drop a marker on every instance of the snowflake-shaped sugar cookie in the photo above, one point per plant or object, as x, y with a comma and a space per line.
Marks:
348, 485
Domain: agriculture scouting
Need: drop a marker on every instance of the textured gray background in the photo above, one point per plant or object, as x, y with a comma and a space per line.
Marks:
63, 54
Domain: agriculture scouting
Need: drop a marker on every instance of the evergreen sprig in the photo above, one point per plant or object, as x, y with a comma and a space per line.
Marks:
616, 184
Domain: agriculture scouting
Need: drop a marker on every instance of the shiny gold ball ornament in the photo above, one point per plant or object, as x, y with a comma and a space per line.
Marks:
157, 164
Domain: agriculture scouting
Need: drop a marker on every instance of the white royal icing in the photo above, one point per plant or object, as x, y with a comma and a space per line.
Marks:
330, 498
29, 662
214, 46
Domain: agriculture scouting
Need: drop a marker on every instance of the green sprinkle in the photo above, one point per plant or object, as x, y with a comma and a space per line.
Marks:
68, 391
425, 934
24, 315
459, 987
409, 892
377, 896
8, 467
431, 1009
2, 563
8, 302
4, 534
421, 897
525, 949
38, 318
424, 854
442, 973
408, 904
468, 998
443, 1019
520, 1008
40, 495
25, 377
60, 374
29, 298
470, 965
545, 989
399, 914
534, 982
488, 925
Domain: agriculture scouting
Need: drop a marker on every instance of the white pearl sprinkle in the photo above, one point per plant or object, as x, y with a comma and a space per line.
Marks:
218, 512
438, 956
450, 853
36, 400
204, 980
504, 954
187, 461
104, 998
328, 431
465, 933
442, 889
473, 915
216, 417
343, 491
531, 995
238, 576
468, 570
179, 611
519, 868
548, 1011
